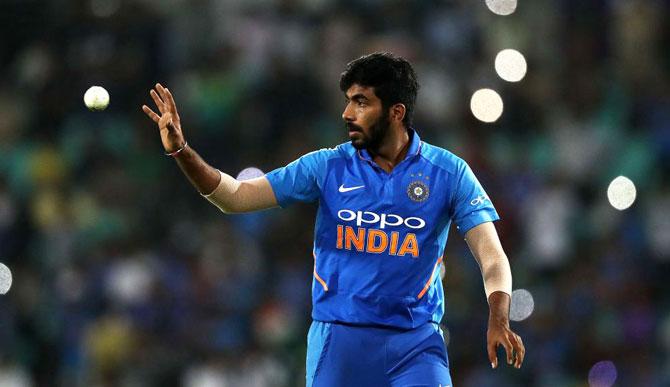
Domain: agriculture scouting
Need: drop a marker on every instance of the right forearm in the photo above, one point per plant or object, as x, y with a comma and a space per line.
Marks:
204, 177
224, 191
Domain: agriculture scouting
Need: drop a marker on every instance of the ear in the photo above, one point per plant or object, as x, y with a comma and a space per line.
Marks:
398, 112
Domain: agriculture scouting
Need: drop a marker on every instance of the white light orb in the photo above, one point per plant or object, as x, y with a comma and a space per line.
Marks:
621, 193
502, 7
249, 173
602, 374
511, 65
486, 105
522, 305
5, 279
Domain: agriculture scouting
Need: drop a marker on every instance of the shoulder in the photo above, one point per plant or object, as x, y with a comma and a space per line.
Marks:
345, 150
442, 158
341, 150
323, 156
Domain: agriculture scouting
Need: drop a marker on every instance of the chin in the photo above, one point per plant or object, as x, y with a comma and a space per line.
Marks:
358, 144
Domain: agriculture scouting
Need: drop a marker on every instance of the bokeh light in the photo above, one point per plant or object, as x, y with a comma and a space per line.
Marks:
602, 374
501, 7
621, 193
105, 8
486, 105
511, 65
5, 279
249, 173
522, 305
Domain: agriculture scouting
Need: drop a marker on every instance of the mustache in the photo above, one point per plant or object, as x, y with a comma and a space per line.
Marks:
353, 127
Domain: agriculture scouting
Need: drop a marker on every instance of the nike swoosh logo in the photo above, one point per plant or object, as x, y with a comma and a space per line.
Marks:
347, 189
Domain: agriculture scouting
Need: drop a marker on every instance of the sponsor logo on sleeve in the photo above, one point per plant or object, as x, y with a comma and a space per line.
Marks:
481, 199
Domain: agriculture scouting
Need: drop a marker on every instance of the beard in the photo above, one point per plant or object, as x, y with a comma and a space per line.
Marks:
373, 140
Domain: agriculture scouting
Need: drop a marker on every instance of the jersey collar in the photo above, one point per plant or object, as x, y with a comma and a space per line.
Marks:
414, 147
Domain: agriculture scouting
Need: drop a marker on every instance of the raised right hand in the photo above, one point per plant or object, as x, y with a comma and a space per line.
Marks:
168, 121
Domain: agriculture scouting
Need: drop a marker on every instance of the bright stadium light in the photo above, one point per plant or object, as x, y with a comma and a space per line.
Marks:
602, 374
522, 305
249, 173
621, 193
511, 65
486, 105
501, 7
5, 279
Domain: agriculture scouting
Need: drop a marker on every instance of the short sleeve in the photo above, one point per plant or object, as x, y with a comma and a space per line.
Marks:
471, 205
300, 180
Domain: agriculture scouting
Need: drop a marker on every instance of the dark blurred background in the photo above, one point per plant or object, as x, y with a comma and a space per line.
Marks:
125, 276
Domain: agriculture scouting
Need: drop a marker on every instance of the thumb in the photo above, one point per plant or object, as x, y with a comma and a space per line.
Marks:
491, 347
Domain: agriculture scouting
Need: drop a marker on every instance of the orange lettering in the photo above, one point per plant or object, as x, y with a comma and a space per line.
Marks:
357, 240
339, 236
376, 241
373, 236
409, 245
394, 243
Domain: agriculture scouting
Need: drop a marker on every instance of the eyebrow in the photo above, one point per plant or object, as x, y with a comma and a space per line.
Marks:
357, 97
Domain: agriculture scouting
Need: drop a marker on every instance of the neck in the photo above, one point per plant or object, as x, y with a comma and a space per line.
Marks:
392, 149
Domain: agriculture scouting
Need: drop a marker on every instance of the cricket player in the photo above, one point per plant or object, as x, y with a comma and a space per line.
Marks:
386, 202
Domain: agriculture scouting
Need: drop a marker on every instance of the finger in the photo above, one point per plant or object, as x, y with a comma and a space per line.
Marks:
514, 339
170, 102
147, 110
509, 349
158, 101
515, 348
520, 351
166, 96
491, 348
162, 93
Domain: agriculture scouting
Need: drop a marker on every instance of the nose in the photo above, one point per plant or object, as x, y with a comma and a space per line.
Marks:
347, 114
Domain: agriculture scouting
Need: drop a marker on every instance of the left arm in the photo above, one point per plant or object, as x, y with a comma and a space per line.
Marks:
485, 246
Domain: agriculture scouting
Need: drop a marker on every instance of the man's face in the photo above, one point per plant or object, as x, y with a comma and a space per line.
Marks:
364, 117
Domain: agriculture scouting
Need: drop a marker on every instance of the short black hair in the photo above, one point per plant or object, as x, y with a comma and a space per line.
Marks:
393, 79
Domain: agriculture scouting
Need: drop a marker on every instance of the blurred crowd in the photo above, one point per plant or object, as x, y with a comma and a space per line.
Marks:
125, 276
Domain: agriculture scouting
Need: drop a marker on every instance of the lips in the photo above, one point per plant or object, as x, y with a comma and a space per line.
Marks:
353, 129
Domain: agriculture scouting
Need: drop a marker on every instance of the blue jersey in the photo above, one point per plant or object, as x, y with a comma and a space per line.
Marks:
379, 237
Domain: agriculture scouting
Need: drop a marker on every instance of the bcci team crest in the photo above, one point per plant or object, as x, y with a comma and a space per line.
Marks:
418, 191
